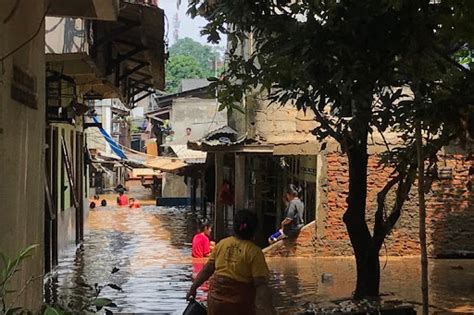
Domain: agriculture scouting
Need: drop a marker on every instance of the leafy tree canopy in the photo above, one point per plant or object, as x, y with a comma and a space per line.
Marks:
205, 55
182, 67
363, 67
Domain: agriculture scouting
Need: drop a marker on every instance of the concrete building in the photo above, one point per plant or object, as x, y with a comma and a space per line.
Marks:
173, 114
42, 129
259, 154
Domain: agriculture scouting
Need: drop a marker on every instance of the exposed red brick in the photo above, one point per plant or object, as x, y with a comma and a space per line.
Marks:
450, 213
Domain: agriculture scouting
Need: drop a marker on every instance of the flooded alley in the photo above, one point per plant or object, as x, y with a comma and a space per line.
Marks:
151, 247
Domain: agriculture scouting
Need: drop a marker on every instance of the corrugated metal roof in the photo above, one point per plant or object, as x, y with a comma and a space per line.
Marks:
189, 156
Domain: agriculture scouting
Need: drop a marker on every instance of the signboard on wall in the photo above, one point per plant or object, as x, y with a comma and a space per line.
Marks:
23, 88
307, 171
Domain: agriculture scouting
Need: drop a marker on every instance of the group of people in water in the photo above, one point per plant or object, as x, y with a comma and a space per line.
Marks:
236, 269
122, 200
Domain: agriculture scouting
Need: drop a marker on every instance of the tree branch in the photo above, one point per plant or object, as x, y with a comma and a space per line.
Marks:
453, 62
326, 124
383, 227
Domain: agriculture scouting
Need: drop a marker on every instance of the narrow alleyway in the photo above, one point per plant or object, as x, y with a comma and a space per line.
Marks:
151, 246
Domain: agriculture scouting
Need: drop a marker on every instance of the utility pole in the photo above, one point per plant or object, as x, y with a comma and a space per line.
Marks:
176, 24
422, 217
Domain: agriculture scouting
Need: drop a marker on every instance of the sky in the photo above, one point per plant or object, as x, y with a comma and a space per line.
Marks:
188, 27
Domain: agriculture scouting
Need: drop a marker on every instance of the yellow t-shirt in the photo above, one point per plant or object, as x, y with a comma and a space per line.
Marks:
238, 259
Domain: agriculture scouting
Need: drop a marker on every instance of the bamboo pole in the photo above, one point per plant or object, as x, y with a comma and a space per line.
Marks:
422, 218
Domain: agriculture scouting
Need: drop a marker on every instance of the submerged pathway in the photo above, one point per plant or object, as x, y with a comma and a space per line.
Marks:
151, 248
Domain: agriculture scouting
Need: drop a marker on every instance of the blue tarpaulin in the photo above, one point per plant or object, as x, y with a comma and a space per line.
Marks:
113, 145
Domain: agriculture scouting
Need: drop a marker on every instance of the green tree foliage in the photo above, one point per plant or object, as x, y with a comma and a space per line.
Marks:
181, 67
189, 60
205, 55
365, 68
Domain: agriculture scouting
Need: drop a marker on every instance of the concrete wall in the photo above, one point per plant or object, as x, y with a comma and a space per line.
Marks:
174, 186
201, 115
22, 138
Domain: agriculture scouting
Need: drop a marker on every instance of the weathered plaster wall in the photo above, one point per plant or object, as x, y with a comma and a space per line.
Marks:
174, 186
22, 131
201, 115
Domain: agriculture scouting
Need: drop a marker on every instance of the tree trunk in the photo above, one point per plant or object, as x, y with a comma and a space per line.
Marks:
354, 218
422, 215
373, 280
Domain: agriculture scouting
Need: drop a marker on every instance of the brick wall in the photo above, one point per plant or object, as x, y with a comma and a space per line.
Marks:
450, 213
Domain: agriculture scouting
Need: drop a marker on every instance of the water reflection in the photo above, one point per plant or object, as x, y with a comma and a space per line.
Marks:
298, 282
151, 246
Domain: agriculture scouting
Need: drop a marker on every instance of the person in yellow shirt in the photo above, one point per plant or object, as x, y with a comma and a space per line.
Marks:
239, 273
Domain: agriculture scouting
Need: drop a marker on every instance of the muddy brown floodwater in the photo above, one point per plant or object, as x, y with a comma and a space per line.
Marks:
151, 246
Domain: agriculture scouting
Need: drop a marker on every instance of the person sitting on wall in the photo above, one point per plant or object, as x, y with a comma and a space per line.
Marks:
202, 246
122, 200
294, 220
134, 204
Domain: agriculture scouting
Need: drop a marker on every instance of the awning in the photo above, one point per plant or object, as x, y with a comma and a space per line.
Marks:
165, 164
137, 172
187, 155
308, 148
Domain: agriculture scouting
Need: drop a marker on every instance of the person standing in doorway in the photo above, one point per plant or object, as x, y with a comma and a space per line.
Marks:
294, 214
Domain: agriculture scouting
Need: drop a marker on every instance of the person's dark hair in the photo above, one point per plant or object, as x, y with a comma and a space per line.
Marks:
96, 197
203, 225
92, 205
131, 199
103, 203
293, 190
245, 224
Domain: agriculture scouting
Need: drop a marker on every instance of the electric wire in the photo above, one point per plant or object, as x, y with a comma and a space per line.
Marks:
31, 38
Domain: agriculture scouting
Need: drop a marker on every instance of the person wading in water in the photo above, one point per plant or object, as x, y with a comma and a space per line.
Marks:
239, 273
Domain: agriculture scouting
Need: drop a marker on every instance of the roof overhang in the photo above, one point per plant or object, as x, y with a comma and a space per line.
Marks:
137, 37
90, 9
84, 71
236, 148
139, 172
165, 164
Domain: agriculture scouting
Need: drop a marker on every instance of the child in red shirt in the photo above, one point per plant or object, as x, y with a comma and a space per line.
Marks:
134, 204
122, 200
201, 244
